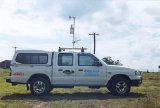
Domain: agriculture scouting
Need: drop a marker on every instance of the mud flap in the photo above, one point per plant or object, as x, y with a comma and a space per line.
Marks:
27, 87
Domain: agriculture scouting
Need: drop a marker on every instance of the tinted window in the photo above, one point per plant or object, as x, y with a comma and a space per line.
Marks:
65, 59
32, 58
86, 60
26, 59
19, 58
43, 59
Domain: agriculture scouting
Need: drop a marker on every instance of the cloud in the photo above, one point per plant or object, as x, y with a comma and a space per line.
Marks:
131, 39
129, 30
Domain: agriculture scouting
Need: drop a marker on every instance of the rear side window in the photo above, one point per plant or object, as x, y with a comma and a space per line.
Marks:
65, 59
32, 58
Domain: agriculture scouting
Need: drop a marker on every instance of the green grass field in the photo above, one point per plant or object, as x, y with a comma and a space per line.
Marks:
145, 96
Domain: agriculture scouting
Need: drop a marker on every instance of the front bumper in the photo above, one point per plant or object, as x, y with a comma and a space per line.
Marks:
136, 82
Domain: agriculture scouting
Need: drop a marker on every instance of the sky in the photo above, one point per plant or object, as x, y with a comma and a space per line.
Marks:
129, 30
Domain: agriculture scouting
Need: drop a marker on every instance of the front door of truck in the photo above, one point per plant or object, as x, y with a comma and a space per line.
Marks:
64, 71
90, 70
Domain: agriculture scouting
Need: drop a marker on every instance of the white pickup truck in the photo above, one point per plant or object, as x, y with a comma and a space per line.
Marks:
42, 71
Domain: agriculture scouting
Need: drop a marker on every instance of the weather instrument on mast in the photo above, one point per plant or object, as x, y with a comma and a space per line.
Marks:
72, 30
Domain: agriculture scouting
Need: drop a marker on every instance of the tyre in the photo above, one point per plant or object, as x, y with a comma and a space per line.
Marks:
39, 86
109, 88
50, 89
120, 87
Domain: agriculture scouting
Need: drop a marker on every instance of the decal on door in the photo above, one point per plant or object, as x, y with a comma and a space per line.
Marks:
18, 74
91, 72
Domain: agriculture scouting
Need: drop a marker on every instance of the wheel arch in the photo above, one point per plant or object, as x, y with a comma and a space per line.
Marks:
38, 75
118, 76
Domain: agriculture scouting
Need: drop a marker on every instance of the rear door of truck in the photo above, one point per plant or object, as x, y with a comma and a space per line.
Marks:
64, 68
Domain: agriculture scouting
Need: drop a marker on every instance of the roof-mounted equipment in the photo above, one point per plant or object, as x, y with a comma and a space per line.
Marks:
63, 49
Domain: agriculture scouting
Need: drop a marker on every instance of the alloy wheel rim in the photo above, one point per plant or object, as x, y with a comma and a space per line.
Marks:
121, 87
39, 87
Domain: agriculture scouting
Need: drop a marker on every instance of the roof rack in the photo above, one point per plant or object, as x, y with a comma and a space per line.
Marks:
63, 49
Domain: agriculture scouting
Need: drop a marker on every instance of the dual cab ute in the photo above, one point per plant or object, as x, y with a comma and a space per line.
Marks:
42, 71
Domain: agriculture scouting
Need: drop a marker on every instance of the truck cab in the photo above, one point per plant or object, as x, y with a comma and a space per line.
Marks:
42, 71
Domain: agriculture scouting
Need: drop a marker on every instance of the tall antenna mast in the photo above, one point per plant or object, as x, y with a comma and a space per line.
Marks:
72, 30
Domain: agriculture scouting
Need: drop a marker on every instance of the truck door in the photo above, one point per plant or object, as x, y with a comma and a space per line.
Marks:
64, 71
90, 70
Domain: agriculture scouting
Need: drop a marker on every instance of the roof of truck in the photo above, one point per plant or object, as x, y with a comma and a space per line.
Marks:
60, 50
41, 51
32, 51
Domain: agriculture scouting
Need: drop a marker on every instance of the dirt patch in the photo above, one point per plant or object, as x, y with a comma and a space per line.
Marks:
38, 104
41, 105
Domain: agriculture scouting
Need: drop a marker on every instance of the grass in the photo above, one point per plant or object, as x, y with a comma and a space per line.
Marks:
145, 96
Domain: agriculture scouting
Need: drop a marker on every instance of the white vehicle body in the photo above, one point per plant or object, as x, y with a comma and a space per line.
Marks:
67, 69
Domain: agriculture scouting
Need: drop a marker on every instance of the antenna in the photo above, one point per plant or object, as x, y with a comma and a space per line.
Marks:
77, 40
15, 48
72, 30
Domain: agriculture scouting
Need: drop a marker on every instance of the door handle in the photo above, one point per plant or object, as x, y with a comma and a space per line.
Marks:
80, 69
72, 71
68, 71
60, 69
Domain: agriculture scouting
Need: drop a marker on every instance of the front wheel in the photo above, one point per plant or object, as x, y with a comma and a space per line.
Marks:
39, 86
120, 87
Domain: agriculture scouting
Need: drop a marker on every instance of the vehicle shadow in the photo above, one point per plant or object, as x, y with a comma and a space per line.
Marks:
70, 96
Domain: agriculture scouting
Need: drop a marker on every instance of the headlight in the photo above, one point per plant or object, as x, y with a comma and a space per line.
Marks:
138, 72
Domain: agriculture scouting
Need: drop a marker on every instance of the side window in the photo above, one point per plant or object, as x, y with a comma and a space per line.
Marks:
43, 59
86, 60
65, 59
20, 58
32, 58
26, 59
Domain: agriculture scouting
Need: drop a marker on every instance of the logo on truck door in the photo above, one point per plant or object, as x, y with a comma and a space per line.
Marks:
91, 72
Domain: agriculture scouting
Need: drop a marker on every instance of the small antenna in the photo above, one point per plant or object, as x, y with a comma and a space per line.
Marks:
77, 40
15, 48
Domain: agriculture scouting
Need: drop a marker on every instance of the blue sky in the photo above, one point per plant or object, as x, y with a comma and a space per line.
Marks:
129, 29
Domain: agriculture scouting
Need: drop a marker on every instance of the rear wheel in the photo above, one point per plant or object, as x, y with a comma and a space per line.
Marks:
50, 89
39, 86
120, 87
